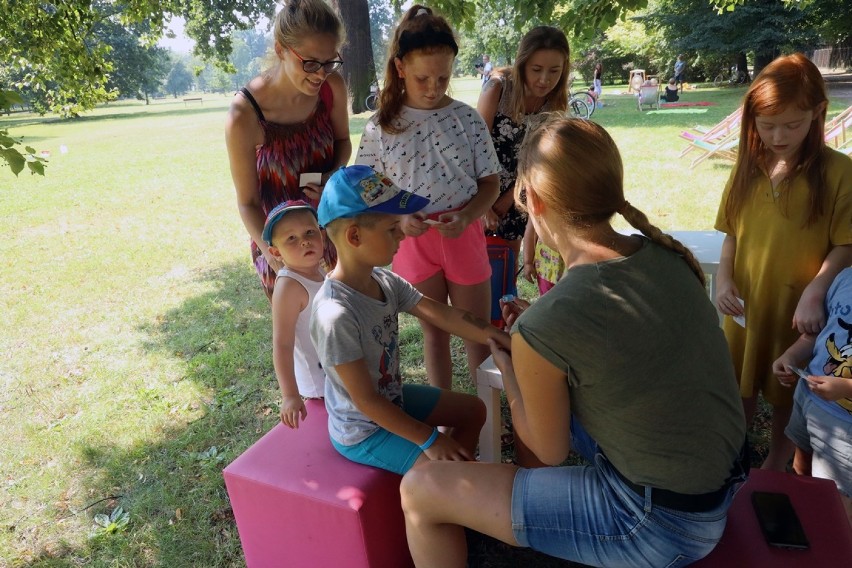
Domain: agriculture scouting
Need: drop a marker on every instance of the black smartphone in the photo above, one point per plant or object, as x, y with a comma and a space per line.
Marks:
778, 520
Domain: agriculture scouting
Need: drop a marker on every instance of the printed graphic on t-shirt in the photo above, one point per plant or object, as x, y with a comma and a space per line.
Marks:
390, 381
838, 345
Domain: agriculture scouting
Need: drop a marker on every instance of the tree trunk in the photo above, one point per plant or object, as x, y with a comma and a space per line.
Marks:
359, 69
742, 64
762, 59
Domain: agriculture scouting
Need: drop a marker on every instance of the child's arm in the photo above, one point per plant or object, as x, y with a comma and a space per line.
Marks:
795, 356
810, 313
288, 300
355, 377
830, 388
528, 249
726, 291
459, 322
454, 222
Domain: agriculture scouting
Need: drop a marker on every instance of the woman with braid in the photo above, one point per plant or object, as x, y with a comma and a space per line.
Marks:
624, 362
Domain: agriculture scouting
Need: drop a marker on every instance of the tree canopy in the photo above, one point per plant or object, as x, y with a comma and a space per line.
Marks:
60, 50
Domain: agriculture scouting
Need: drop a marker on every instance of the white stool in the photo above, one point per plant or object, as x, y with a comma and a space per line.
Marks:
489, 384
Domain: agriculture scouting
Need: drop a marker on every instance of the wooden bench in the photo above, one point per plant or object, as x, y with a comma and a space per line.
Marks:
192, 100
300, 504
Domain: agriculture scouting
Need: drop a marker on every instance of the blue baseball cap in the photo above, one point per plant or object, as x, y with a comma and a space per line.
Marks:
278, 213
354, 190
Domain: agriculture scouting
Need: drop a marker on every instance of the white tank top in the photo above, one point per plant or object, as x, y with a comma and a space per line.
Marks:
310, 377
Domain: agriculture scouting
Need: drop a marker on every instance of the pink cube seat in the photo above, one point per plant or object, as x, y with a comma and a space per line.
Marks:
300, 504
817, 504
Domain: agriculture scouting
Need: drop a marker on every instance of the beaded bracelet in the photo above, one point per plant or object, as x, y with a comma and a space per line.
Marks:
431, 440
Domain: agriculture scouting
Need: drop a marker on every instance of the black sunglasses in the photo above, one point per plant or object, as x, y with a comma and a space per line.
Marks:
312, 66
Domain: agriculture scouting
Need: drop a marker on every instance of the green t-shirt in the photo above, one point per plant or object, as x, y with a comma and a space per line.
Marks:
651, 378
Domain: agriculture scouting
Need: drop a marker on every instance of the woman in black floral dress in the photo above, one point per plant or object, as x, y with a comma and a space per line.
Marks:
537, 82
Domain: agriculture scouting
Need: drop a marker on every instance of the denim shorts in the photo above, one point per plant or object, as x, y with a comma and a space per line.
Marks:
587, 514
825, 430
389, 451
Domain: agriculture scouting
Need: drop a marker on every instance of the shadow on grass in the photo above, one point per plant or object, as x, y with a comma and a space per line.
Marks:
171, 484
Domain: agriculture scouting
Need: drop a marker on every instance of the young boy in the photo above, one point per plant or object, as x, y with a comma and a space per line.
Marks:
294, 237
821, 423
372, 417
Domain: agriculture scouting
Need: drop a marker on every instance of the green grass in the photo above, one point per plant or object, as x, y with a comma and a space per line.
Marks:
135, 338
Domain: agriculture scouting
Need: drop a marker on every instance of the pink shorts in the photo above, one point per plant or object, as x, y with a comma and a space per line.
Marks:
464, 260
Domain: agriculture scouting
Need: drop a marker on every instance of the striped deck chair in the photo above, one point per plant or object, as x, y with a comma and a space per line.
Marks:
838, 130
722, 130
725, 147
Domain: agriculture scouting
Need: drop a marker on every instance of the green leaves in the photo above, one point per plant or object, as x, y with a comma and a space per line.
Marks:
106, 525
14, 158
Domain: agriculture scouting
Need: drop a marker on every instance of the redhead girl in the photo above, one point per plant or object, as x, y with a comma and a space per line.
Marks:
289, 121
787, 215
439, 148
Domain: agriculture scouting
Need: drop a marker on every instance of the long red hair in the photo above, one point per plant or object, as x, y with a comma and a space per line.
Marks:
788, 80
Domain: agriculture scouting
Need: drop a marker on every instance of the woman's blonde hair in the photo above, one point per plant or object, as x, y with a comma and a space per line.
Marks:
301, 18
419, 30
538, 38
791, 80
574, 167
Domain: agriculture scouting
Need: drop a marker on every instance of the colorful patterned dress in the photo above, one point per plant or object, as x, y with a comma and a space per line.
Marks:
289, 150
507, 136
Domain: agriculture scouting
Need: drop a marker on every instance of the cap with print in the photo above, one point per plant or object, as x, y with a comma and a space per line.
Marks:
354, 190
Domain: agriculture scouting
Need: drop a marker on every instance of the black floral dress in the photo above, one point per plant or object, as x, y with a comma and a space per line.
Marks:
507, 136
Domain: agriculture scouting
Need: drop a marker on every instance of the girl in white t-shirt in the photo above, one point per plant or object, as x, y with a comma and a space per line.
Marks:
438, 148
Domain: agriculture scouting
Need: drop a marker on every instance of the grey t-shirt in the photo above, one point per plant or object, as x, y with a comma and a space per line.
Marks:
346, 326
649, 371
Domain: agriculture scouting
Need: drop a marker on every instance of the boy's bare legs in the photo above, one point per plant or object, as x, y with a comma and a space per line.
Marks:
802, 462
463, 414
436, 342
475, 299
441, 497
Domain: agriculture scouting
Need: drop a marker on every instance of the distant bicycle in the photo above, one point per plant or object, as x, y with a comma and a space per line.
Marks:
732, 76
372, 100
578, 108
586, 97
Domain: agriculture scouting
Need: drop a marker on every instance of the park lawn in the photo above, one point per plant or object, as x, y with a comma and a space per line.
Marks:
135, 345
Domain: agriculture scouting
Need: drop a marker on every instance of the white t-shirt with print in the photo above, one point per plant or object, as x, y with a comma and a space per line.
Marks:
440, 155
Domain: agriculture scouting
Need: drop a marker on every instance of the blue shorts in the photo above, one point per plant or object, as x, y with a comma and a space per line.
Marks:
588, 514
389, 451
825, 430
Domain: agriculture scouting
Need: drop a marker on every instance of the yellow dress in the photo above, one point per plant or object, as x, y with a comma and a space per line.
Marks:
776, 257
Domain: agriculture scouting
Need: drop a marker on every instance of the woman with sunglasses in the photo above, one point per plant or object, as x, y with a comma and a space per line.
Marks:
289, 121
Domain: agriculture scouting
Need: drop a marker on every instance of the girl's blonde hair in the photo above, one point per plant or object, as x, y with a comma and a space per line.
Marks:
538, 38
301, 18
574, 167
788, 80
419, 30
